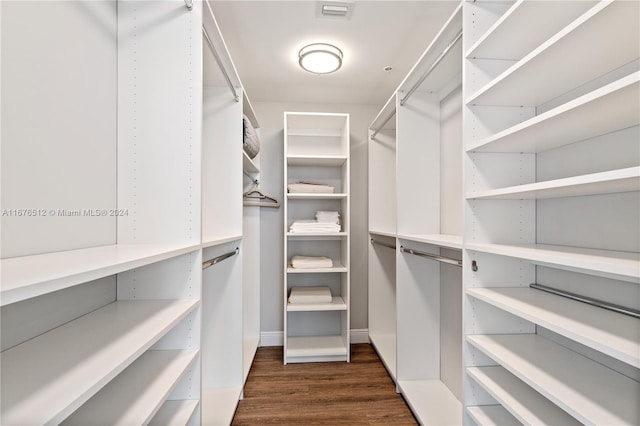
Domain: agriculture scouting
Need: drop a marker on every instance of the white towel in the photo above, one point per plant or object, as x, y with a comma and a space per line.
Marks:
310, 295
311, 262
306, 187
313, 226
327, 217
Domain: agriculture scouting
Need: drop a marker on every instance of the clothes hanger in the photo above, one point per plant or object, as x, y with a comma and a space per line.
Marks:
257, 194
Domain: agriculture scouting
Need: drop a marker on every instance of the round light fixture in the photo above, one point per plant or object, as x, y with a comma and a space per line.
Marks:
320, 58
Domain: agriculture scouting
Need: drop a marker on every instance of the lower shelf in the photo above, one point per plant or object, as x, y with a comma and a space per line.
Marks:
385, 346
249, 348
336, 304
219, 405
431, 402
175, 413
491, 415
316, 349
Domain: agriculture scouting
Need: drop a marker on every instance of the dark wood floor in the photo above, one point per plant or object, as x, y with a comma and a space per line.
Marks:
332, 393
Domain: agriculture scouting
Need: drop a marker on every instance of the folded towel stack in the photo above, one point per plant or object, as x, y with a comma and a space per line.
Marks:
328, 217
309, 187
311, 262
313, 227
300, 295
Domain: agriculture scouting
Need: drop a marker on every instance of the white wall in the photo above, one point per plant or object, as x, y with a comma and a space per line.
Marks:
270, 115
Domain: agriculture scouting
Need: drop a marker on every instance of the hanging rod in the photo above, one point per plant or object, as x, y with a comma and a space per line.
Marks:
386, 120
380, 243
442, 259
189, 4
219, 259
219, 61
431, 68
251, 178
588, 300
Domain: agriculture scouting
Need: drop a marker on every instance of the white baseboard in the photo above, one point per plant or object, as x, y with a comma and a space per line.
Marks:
276, 338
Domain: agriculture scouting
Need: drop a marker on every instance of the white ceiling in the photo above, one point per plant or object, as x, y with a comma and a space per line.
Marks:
264, 37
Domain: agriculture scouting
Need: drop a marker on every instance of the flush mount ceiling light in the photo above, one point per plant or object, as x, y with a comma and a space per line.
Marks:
320, 58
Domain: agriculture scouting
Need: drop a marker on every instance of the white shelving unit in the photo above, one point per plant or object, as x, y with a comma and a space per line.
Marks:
316, 149
174, 413
539, 94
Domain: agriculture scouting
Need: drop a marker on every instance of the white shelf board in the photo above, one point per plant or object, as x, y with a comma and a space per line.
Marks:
599, 40
337, 304
220, 241
248, 165
219, 405
536, 21
175, 413
134, 396
322, 133
249, 348
383, 233
247, 109
605, 110
571, 381
385, 346
521, 400
315, 346
316, 235
336, 268
613, 264
611, 333
442, 240
431, 402
614, 181
386, 113
491, 415
316, 196
47, 378
30, 276
316, 160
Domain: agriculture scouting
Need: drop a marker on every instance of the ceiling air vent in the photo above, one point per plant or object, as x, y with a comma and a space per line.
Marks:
334, 9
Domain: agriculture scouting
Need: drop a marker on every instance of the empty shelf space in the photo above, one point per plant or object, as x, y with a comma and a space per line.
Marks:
491, 415
336, 304
442, 240
607, 109
316, 160
432, 402
248, 165
47, 378
337, 267
315, 346
316, 196
613, 264
534, 21
219, 241
600, 40
623, 180
316, 235
614, 334
135, 395
219, 405
31, 276
175, 413
385, 346
524, 403
602, 396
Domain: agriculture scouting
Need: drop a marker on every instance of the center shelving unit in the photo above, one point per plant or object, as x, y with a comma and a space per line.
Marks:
316, 150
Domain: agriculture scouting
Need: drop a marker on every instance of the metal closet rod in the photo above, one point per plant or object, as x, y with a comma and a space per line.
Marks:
219, 61
442, 259
588, 300
220, 258
431, 68
380, 243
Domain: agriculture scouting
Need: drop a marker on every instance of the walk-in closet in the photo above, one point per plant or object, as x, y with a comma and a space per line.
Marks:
219, 212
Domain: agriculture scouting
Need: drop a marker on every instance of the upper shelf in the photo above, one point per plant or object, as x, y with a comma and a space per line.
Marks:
30, 276
608, 332
612, 264
623, 180
600, 41
605, 110
316, 160
442, 240
534, 21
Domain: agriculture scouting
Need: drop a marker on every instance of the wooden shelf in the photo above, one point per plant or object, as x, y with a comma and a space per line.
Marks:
316, 160
316, 235
47, 378
431, 402
524, 403
600, 41
301, 196
175, 413
248, 165
491, 415
385, 346
134, 396
535, 21
613, 264
219, 405
609, 332
315, 346
31, 276
220, 241
442, 240
335, 269
337, 304
622, 180
585, 389
607, 109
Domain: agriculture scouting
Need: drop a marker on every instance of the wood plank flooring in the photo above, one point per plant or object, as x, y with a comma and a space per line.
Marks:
332, 393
